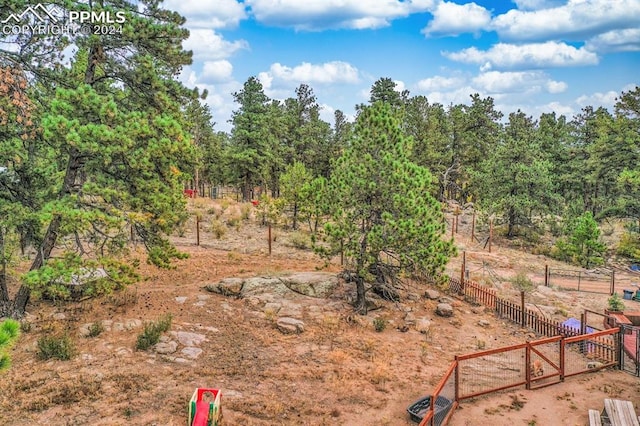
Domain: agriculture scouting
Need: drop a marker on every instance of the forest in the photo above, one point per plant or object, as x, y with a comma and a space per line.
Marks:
101, 149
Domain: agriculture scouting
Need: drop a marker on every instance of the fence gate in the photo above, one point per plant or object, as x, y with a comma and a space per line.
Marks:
544, 362
630, 348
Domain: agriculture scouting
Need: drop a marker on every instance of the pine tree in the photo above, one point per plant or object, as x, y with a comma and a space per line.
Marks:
382, 214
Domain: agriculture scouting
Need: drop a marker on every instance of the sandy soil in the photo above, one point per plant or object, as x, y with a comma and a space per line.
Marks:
339, 371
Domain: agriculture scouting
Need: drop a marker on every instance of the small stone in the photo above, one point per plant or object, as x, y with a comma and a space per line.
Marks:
410, 319
59, 316
432, 294
166, 347
444, 310
189, 339
191, 352
484, 323
288, 325
181, 299
413, 297
423, 325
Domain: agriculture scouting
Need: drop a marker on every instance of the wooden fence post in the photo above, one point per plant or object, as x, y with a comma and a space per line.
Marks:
613, 283
464, 267
546, 275
197, 229
490, 233
473, 225
524, 318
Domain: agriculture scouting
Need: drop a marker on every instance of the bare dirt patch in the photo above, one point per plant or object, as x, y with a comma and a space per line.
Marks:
338, 371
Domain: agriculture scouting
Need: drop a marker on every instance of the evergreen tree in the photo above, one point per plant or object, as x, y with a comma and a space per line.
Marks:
382, 214
514, 181
293, 180
250, 137
114, 143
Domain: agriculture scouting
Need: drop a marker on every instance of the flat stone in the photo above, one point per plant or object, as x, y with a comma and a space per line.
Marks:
288, 325
272, 307
410, 319
315, 284
130, 324
423, 325
59, 316
484, 323
227, 287
181, 299
189, 339
432, 294
191, 352
166, 347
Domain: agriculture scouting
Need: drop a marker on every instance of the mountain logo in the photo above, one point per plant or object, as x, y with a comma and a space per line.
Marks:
38, 11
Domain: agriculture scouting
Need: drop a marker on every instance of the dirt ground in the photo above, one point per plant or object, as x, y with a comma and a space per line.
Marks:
338, 371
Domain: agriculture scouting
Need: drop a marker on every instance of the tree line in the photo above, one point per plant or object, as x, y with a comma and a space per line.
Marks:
96, 152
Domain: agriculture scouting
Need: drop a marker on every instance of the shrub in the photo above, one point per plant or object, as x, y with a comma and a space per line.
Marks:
300, 240
379, 324
95, 329
218, 228
245, 211
152, 332
56, 347
521, 282
629, 246
234, 222
615, 303
9, 331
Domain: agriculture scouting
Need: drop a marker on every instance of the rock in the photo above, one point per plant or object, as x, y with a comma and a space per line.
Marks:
413, 297
130, 324
444, 310
423, 325
410, 319
59, 316
272, 307
181, 299
191, 352
477, 309
227, 287
445, 299
189, 339
484, 323
288, 325
432, 294
315, 284
166, 347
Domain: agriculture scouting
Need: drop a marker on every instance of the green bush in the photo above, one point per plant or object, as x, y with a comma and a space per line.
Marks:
218, 228
629, 246
615, 303
379, 324
300, 240
56, 347
152, 332
95, 329
9, 332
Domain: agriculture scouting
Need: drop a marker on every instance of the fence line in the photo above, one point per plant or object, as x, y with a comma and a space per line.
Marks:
534, 364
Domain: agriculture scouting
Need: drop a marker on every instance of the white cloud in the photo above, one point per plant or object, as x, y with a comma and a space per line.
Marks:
314, 15
607, 99
535, 55
216, 71
616, 41
517, 82
575, 20
438, 83
335, 72
452, 19
208, 14
208, 45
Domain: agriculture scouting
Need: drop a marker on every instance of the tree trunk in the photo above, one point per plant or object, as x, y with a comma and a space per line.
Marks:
4, 292
360, 305
295, 216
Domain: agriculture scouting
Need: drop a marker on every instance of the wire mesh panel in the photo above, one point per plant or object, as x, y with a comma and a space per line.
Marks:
545, 362
490, 371
630, 353
594, 281
590, 352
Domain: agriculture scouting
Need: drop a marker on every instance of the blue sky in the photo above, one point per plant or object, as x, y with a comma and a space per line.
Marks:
534, 55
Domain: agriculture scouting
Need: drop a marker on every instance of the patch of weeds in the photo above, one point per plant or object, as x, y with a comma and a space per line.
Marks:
234, 222
516, 402
124, 298
152, 332
379, 324
56, 347
218, 228
95, 329
300, 240
481, 344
